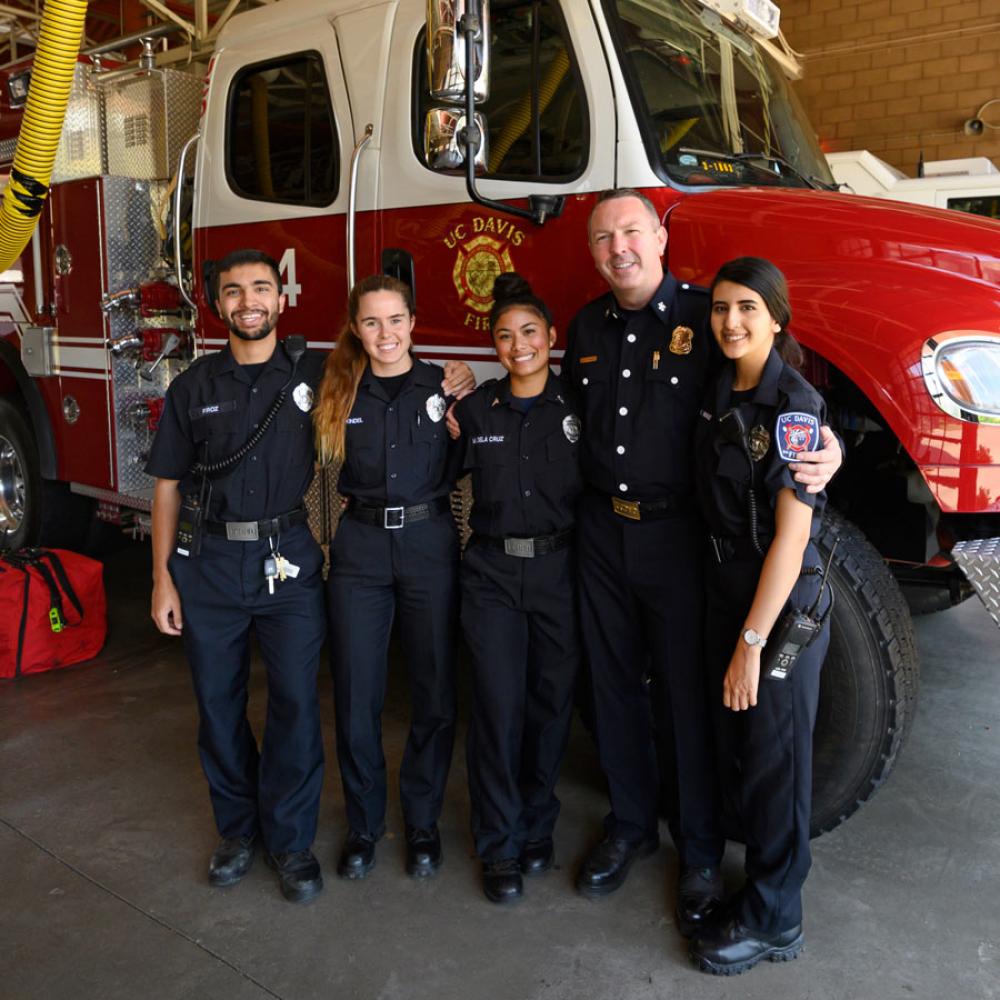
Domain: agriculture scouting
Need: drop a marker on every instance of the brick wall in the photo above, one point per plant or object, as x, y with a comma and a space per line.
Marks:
898, 76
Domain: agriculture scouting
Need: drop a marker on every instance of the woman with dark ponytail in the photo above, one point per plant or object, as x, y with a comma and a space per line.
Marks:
381, 413
519, 615
763, 566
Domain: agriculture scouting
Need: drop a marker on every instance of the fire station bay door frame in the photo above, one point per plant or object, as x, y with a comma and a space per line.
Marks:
276, 91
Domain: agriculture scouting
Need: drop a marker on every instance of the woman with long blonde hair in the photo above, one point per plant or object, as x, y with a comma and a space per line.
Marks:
381, 414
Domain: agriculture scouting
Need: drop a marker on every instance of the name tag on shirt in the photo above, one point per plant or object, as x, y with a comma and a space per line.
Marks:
211, 409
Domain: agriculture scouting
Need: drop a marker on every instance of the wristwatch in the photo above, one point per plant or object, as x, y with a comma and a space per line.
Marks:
753, 638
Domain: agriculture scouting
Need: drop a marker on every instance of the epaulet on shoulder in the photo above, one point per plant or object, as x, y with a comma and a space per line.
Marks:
485, 391
794, 385
194, 367
689, 288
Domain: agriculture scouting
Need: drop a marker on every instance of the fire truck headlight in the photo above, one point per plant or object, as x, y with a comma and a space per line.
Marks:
962, 376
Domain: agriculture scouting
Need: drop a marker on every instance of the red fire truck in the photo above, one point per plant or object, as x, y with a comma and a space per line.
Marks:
333, 134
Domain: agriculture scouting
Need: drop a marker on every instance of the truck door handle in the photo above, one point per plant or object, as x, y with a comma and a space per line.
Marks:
178, 255
352, 201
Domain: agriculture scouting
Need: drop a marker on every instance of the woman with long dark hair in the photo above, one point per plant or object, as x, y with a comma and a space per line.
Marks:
381, 413
759, 415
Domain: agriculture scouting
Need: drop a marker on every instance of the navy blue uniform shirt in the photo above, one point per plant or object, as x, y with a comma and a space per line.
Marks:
723, 469
398, 452
641, 377
525, 467
214, 406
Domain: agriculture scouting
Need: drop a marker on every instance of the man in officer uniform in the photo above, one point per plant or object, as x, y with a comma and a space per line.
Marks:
640, 358
258, 566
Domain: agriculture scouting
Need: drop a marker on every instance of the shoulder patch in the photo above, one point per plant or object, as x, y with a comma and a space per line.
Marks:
795, 433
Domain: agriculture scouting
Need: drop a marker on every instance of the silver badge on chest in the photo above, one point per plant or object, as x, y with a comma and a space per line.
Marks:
571, 428
303, 397
436, 407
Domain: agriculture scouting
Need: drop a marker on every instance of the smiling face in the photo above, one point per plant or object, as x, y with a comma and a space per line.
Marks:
248, 301
627, 244
743, 326
384, 325
522, 340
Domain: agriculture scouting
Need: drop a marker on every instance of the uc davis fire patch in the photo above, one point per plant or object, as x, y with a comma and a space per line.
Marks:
796, 433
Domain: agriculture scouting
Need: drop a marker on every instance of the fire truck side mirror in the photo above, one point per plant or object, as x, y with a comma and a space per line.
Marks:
444, 140
446, 26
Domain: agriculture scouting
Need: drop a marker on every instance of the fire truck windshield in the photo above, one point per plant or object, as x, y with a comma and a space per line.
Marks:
714, 106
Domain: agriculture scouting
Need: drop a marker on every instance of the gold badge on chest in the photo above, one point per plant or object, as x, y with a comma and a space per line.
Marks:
760, 441
681, 340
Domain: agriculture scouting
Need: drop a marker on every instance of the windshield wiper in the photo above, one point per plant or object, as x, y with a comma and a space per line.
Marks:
813, 182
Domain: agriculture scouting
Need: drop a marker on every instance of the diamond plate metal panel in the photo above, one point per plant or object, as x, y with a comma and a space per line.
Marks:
132, 249
81, 152
148, 117
979, 560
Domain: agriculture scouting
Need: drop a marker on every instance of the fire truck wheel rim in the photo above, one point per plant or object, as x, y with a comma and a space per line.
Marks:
11, 487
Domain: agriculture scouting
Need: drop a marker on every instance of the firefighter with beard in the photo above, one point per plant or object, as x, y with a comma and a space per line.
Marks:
251, 562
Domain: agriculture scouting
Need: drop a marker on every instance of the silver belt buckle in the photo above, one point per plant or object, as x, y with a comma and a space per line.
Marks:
401, 511
523, 548
242, 531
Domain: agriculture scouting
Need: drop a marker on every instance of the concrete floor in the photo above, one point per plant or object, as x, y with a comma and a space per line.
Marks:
105, 832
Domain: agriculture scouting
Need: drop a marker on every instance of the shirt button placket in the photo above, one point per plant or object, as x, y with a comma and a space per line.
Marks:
625, 394
522, 444
391, 437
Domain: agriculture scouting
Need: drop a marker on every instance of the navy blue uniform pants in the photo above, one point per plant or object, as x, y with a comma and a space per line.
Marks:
641, 602
375, 574
520, 623
765, 753
224, 595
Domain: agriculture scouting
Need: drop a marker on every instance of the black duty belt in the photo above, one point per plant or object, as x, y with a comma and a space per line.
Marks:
650, 510
397, 517
729, 548
251, 531
528, 548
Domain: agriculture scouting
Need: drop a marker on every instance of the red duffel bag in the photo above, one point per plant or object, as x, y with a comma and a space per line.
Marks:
53, 611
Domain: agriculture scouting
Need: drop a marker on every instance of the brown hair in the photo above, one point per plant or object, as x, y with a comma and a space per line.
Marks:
769, 283
343, 369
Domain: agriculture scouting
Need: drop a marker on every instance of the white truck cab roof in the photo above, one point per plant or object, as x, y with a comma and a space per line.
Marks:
971, 184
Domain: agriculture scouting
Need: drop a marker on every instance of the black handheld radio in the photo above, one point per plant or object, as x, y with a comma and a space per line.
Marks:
796, 630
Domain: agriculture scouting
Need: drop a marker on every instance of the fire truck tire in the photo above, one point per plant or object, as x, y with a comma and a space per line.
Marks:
20, 479
869, 683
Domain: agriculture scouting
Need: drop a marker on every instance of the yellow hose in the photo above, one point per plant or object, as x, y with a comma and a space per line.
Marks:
60, 34
521, 117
